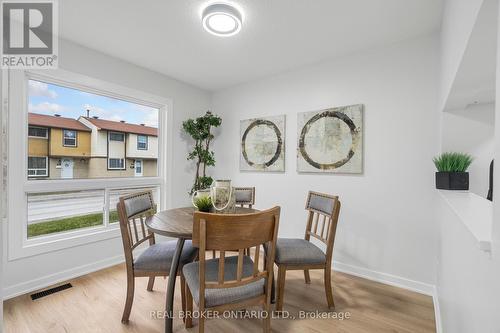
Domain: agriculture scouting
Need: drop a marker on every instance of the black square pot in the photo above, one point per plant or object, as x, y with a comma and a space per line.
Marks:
452, 180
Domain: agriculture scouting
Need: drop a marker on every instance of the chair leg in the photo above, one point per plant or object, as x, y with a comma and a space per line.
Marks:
281, 287
201, 323
307, 277
151, 283
266, 321
183, 296
328, 287
130, 298
189, 309
214, 255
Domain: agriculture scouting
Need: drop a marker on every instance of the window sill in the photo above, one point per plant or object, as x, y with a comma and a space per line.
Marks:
475, 212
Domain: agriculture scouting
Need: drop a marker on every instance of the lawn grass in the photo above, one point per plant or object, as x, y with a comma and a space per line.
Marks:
69, 223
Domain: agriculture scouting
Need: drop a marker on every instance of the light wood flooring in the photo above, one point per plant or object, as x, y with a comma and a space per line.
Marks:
95, 304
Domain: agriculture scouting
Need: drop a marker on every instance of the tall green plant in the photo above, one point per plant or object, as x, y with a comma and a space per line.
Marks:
452, 162
200, 129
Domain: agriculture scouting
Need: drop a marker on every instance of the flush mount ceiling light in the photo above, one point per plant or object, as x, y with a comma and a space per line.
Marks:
221, 19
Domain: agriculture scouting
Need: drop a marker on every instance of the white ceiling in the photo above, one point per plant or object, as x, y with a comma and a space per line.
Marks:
278, 35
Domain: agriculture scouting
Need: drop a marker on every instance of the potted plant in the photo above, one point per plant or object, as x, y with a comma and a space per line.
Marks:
452, 171
200, 129
204, 204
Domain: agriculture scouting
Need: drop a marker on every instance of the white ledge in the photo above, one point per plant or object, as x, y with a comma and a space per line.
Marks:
475, 212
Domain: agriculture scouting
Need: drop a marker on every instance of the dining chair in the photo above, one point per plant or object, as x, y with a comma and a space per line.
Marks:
155, 260
245, 196
302, 254
233, 282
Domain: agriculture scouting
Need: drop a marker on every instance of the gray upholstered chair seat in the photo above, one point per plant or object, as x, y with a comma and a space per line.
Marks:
158, 257
214, 297
298, 251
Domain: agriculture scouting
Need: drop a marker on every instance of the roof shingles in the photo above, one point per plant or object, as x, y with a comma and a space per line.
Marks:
42, 120
123, 127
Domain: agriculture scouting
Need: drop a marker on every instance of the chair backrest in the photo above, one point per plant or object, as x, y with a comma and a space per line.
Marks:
133, 210
230, 232
245, 196
322, 221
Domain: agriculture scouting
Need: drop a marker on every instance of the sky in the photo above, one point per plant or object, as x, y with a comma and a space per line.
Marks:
49, 99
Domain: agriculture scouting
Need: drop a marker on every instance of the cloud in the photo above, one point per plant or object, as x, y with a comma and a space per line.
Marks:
37, 88
134, 114
148, 116
46, 108
103, 113
151, 118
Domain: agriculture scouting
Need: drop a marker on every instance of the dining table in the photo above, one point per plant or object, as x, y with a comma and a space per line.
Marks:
177, 223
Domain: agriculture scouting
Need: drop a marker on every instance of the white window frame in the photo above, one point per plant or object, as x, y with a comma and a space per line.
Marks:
19, 246
46, 167
147, 141
39, 137
116, 158
114, 132
75, 138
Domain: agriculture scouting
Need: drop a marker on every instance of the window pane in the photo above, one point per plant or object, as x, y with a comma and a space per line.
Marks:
37, 162
69, 134
37, 132
116, 163
87, 142
116, 137
56, 212
69, 142
114, 196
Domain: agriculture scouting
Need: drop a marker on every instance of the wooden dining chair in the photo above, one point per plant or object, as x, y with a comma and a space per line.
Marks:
234, 282
245, 196
155, 260
302, 254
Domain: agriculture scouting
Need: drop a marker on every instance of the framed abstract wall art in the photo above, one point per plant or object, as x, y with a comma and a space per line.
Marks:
331, 140
262, 142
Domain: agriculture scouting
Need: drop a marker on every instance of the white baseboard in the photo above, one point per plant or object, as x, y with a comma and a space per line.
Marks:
437, 311
49, 280
385, 278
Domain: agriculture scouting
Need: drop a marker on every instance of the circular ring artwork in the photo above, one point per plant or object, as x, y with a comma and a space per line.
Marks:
279, 146
328, 114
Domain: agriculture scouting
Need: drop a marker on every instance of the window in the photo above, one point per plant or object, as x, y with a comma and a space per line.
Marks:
114, 196
37, 166
115, 136
52, 213
142, 142
97, 144
37, 132
57, 212
116, 163
69, 138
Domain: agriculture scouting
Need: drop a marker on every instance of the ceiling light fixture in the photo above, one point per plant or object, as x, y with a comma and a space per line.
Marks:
221, 19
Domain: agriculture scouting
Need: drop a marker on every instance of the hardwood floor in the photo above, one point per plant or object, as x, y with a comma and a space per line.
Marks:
95, 304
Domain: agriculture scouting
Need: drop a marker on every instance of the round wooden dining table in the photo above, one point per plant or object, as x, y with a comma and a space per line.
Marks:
177, 223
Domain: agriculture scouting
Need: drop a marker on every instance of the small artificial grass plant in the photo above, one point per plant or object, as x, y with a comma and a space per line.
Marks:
204, 204
452, 162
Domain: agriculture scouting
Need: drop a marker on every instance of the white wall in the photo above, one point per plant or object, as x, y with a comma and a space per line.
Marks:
459, 17
467, 278
472, 131
33, 272
386, 223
